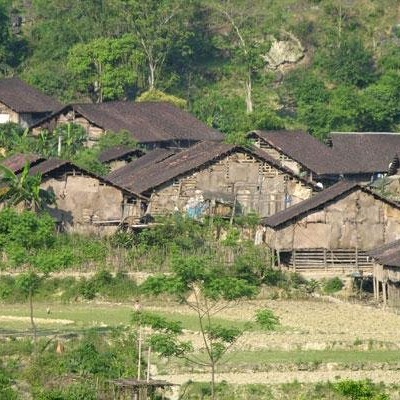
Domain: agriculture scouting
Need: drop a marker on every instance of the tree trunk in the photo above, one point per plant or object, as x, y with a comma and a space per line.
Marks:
212, 380
152, 69
249, 97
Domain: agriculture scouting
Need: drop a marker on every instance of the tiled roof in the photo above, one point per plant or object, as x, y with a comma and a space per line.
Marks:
366, 152
18, 161
21, 97
302, 147
318, 201
388, 254
148, 122
141, 177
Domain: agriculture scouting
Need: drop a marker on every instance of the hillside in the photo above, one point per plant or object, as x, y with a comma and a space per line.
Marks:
321, 65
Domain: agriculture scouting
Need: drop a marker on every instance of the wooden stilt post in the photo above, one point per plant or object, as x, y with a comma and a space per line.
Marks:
294, 260
384, 295
374, 283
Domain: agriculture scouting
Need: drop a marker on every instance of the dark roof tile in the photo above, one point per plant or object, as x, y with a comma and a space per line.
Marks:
388, 254
21, 97
366, 152
18, 161
153, 174
118, 152
316, 202
148, 122
304, 148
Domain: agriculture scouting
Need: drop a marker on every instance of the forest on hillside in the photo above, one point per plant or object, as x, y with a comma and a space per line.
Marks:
238, 65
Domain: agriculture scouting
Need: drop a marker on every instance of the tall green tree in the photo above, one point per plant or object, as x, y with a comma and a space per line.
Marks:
245, 44
156, 25
105, 68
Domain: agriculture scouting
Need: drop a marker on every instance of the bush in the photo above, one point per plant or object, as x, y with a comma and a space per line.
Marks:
267, 319
333, 285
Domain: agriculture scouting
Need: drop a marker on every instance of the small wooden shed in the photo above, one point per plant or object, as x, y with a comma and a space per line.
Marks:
333, 229
386, 273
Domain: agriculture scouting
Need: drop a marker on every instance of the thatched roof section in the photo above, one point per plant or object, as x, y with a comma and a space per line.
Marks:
148, 122
18, 161
388, 254
366, 152
317, 202
118, 152
55, 166
23, 98
148, 176
305, 149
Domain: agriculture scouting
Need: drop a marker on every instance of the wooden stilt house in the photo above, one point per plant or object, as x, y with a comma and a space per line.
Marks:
333, 229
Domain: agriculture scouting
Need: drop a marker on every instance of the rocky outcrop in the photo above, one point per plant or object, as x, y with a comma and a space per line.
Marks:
286, 51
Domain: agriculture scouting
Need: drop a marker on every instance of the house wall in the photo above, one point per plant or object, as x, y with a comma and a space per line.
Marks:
8, 115
358, 220
257, 186
94, 132
83, 201
279, 156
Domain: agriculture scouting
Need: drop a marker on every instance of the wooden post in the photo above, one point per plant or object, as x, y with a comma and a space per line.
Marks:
294, 259
374, 282
278, 254
139, 354
384, 295
325, 264
356, 254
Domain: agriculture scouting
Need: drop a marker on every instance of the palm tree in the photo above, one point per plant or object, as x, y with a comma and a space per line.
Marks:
23, 188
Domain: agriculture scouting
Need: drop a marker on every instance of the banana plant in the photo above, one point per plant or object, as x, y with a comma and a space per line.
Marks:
23, 189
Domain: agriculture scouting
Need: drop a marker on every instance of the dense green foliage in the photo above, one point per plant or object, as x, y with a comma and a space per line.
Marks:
212, 56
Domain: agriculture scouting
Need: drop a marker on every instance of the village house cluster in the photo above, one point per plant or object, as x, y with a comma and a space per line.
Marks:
323, 206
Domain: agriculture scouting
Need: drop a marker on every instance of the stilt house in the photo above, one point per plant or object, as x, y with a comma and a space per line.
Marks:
386, 273
333, 229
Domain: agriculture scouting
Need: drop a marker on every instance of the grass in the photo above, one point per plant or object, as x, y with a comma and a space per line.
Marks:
89, 315
313, 356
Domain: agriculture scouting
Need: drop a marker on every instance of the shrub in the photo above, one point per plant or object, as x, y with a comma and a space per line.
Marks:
333, 285
267, 319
